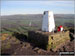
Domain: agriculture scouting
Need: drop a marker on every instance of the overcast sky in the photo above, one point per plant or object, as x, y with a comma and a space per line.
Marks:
36, 7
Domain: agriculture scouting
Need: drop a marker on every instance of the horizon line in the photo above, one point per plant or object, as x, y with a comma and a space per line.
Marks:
35, 14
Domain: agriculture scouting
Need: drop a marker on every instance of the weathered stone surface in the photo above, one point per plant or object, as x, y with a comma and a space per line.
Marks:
35, 49
48, 40
27, 45
39, 51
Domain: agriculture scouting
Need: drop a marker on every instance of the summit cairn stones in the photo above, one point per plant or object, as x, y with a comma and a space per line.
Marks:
48, 41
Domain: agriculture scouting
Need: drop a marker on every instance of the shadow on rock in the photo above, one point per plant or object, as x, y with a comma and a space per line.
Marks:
71, 34
71, 30
4, 54
21, 37
71, 37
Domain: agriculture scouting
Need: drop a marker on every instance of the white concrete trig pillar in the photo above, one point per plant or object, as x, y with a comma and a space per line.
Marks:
48, 23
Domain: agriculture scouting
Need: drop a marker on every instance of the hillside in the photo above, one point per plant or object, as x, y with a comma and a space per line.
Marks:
37, 16
36, 19
14, 33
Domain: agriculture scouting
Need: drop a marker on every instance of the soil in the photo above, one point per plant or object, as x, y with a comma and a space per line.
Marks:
21, 49
27, 48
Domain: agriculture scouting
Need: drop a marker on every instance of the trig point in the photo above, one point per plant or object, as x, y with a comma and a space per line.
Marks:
48, 23
45, 39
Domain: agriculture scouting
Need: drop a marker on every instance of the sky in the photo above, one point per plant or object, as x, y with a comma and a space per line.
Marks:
36, 7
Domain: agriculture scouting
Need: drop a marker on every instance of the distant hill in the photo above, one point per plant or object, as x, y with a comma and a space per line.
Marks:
36, 19
28, 17
37, 16
64, 16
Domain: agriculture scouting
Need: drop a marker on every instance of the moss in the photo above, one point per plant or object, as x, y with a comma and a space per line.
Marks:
48, 47
5, 46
